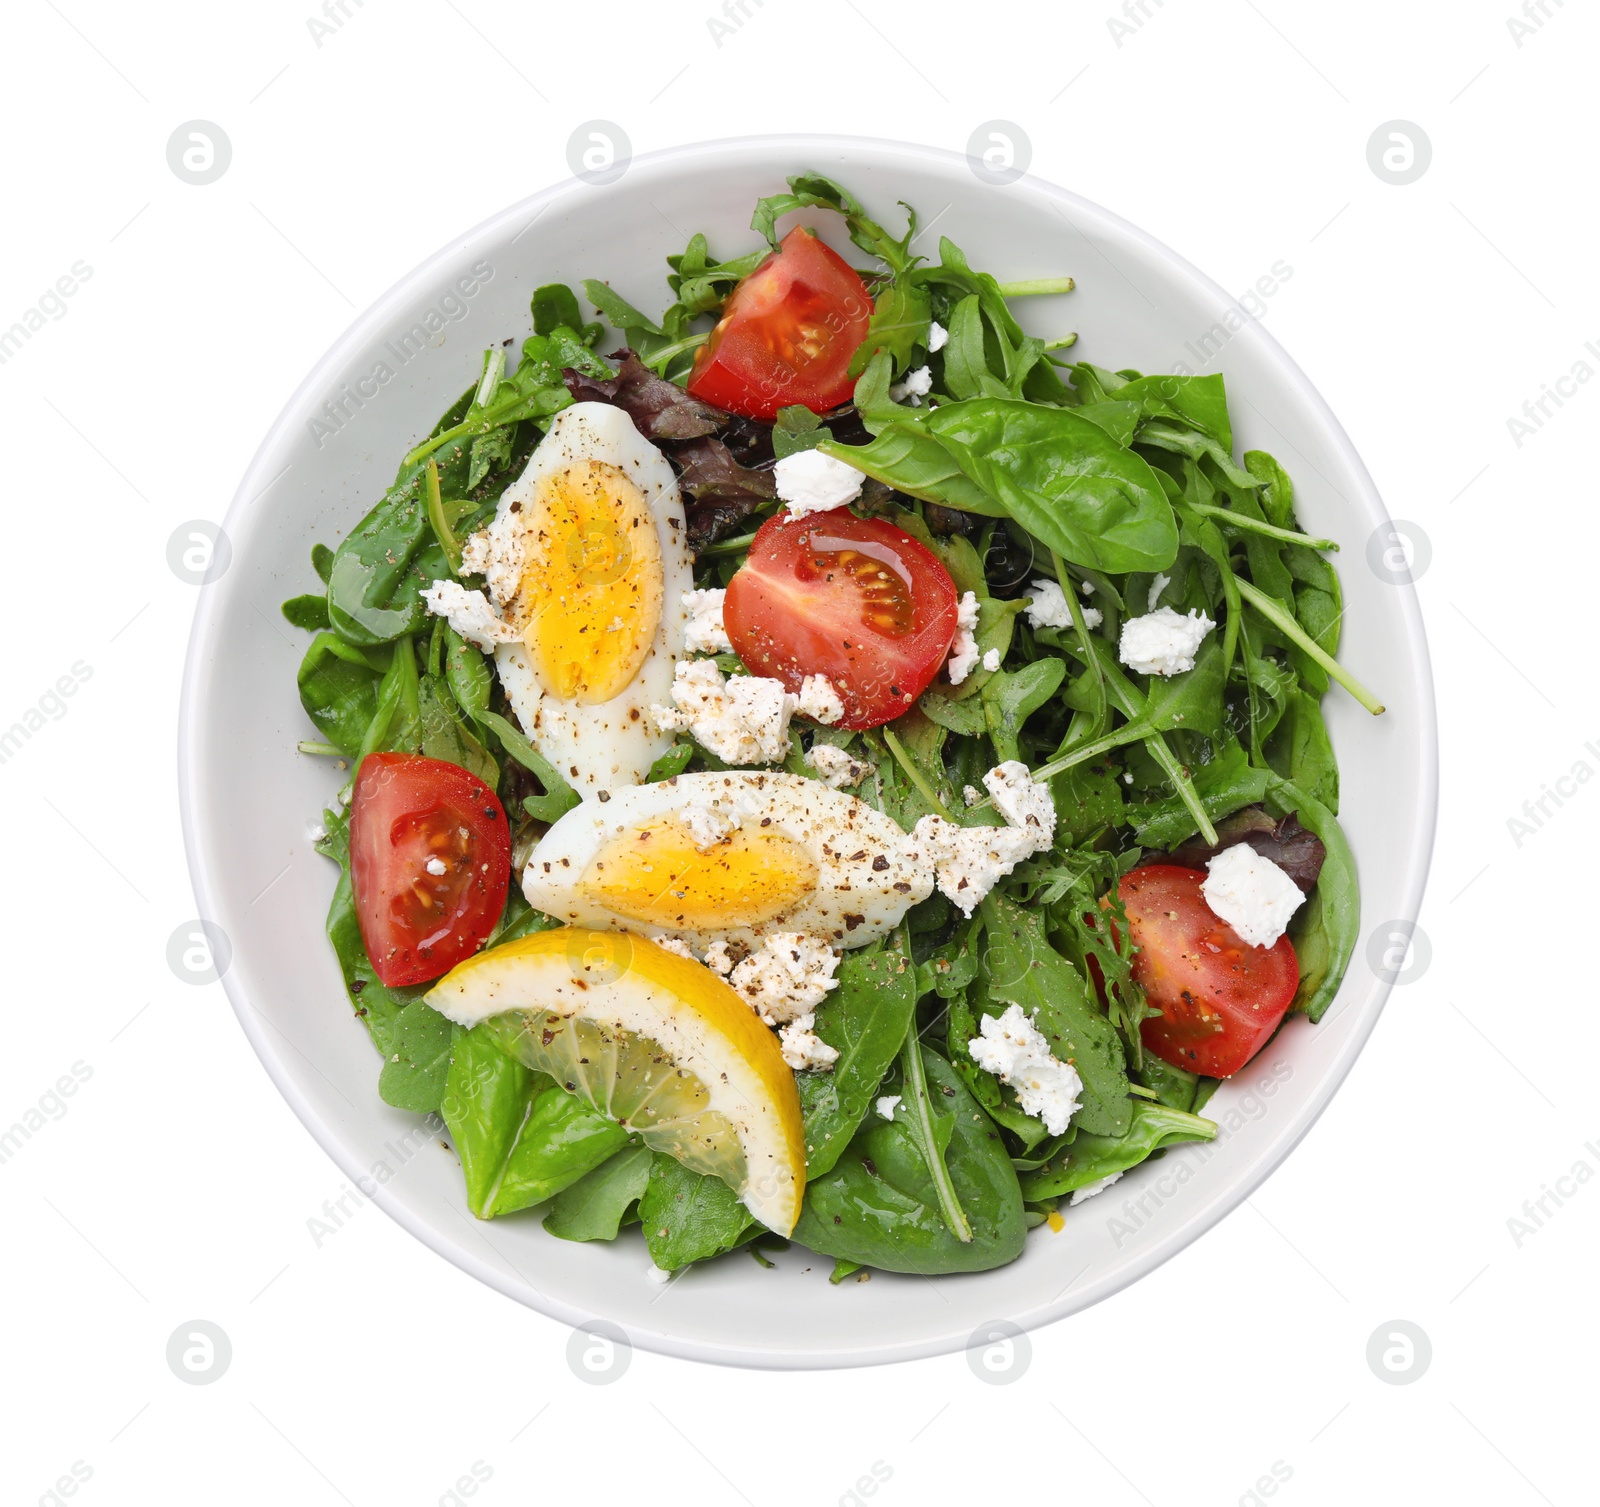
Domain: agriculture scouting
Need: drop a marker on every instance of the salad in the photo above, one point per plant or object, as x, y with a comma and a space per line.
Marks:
825, 764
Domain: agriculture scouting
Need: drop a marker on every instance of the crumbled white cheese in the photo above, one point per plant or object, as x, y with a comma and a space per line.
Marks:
971, 794
718, 959
1157, 586
820, 700
803, 1050
1086, 587
964, 650
887, 1105
1023, 801
811, 482
937, 336
1048, 608
1251, 893
1090, 1189
1163, 643
834, 767
436, 866
991, 660
496, 554
968, 862
705, 633
744, 720
470, 614
708, 824
1013, 1049
658, 1276
916, 386
676, 946
791, 975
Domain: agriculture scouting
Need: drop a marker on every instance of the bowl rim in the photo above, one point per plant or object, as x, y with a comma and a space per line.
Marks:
211, 595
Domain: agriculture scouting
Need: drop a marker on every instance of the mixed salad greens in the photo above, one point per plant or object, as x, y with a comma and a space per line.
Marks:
1016, 467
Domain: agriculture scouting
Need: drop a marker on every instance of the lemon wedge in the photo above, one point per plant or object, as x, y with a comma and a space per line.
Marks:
657, 1042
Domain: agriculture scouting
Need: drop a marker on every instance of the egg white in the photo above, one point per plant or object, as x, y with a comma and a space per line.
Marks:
851, 904
601, 747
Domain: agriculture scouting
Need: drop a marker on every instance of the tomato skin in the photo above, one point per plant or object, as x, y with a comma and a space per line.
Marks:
1220, 997
406, 810
787, 334
855, 599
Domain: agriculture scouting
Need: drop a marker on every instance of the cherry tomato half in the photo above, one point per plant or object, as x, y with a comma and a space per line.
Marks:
1219, 997
430, 858
855, 599
787, 334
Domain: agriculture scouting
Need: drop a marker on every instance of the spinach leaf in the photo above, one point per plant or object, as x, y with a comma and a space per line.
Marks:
419, 1060
1086, 798
877, 1206
865, 1019
594, 1207
521, 1137
309, 611
689, 1216
338, 687
912, 461
1091, 1157
382, 567
1024, 969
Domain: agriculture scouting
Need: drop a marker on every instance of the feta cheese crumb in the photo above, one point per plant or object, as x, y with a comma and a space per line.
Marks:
991, 660
964, 651
1086, 587
496, 554
718, 959
658, 1276
1090, 1189
811, 482
834, 767
789, 977
1251, 893
1013, 1049
470, 614
676, 946
1048, 608
916, 386
820, 700
971, 794
744, 720
1157, 586
708, 824
887, 1105
705, 633
968, 862
803, 1050
937, 336
437, 866
1163, 643
1024, 801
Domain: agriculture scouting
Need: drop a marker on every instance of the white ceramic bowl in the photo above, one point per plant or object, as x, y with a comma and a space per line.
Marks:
248, 797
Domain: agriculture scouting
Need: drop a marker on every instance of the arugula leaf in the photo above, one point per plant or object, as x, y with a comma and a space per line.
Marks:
1011, 697
795, 429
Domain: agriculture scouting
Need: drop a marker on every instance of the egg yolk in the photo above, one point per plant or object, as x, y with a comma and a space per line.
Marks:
656, 875
592, 582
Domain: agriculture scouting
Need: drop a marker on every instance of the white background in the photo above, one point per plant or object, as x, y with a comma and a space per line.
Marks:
178, 1186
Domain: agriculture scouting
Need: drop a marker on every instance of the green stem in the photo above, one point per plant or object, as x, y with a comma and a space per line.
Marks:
725, 547
1157, 748
441, 528
1062, 343
1130, 732
1031, 286
1257, 526
912, 773
322, 750
920, 1109
659, 360
1285, 624
1069, 589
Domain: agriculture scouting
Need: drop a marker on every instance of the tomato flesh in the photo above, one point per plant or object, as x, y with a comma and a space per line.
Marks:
1219, 997
430, 860
787, 334
855, 599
